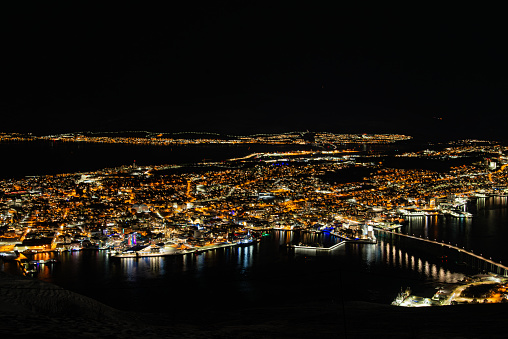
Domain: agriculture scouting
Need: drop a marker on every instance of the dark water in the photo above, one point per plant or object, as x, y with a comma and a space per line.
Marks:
267, 273
52, 157
485, 233
47, 157
260, 275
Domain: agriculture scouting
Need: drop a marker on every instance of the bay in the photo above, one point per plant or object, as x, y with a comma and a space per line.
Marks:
265, 274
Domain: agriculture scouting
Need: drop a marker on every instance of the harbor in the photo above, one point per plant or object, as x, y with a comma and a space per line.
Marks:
156, 251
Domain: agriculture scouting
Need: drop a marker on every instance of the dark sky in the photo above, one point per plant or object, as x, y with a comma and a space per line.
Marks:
249, 66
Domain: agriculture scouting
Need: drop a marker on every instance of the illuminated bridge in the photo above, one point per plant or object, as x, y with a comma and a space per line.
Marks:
491, 266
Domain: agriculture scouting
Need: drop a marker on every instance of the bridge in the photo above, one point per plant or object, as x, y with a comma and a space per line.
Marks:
498, 267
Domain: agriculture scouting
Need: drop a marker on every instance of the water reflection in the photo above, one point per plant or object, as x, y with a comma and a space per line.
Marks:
245, 257
483, 233
392, 256
129, 267
324, 239
247, 270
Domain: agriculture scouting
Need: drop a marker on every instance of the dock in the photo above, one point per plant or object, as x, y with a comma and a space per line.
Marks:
331, 248
147, 254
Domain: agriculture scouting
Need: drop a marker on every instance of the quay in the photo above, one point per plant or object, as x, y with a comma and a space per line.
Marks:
331, 248
146, 254
372, 240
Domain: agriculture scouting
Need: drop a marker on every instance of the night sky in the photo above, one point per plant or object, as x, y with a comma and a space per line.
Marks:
246, 66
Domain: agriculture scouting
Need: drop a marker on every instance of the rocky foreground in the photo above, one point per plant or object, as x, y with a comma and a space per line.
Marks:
32, 308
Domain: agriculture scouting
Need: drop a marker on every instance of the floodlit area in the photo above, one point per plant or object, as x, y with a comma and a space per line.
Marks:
473, 290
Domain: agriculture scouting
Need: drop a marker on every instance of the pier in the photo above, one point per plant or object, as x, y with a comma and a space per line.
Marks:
331, 248
495, 267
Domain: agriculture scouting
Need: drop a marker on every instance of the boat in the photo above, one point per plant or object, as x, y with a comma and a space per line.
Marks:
412, 213
459, 214
244, 239
455, 214
148, 251
42, 261
247, 241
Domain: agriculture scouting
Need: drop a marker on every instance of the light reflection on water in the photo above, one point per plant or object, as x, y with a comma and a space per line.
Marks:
245, 272
251, 272
245, 257
401, 259
484, 233
384, 253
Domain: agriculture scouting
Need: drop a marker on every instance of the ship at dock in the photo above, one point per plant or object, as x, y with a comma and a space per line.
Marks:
458, 214
245, 239
168, 250
145, 251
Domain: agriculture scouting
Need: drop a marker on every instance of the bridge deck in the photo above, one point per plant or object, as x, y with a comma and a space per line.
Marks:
474, 255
